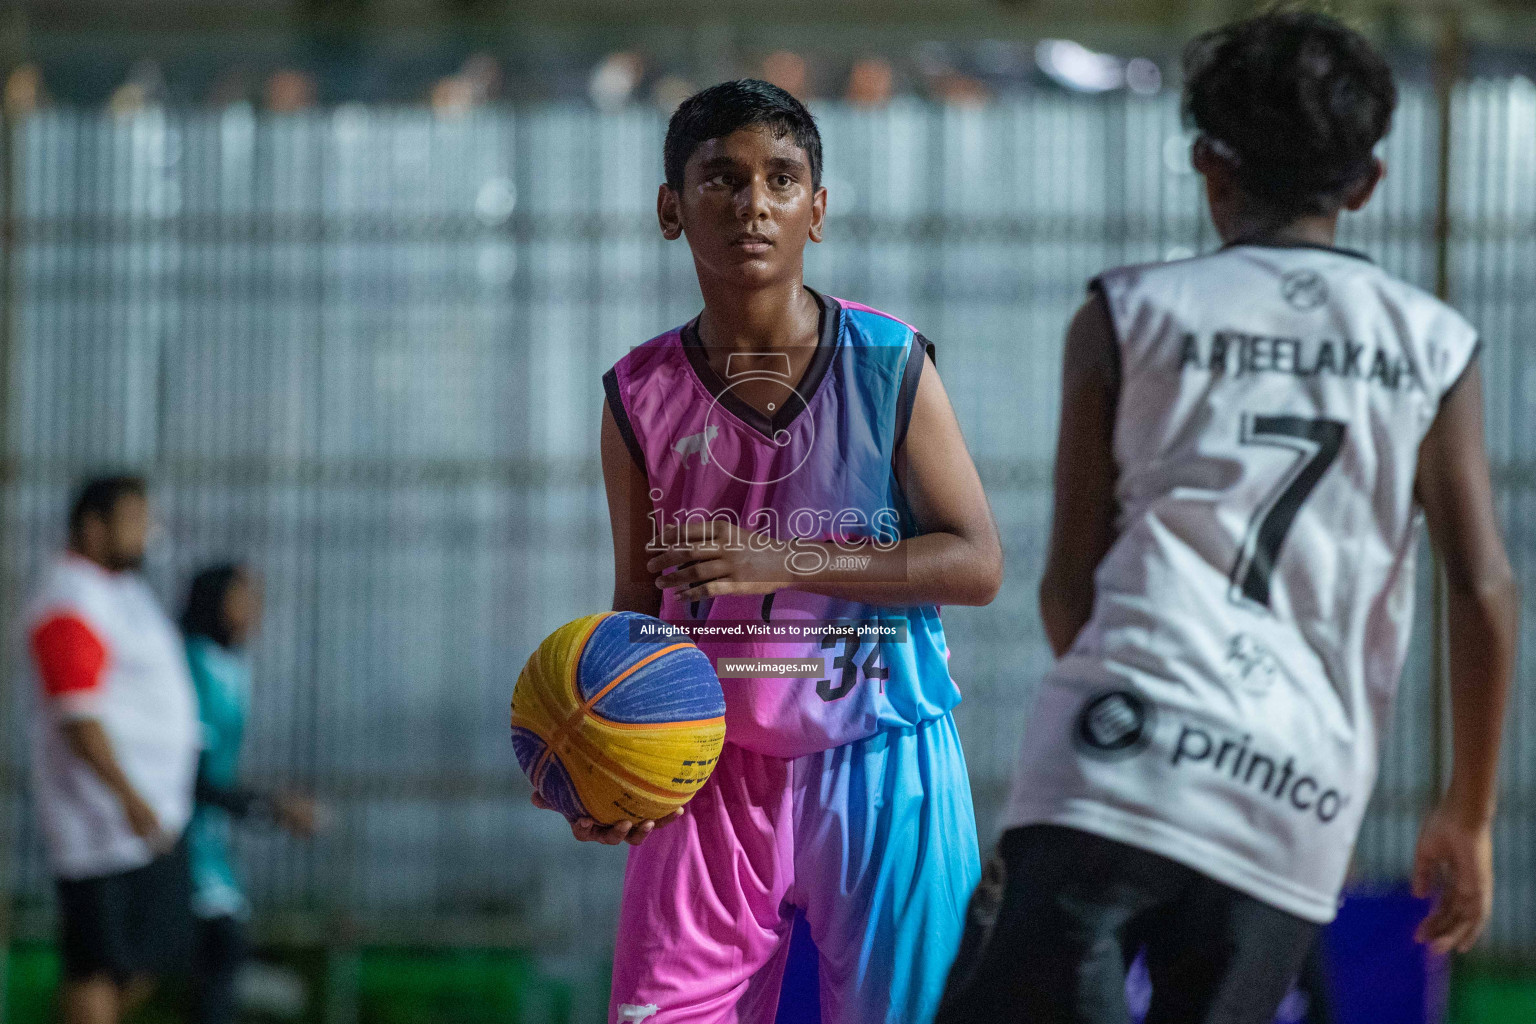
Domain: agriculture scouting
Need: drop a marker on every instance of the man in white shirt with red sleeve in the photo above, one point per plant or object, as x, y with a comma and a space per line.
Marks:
114, 755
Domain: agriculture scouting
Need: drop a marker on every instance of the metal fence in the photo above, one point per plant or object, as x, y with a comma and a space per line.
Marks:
361, 348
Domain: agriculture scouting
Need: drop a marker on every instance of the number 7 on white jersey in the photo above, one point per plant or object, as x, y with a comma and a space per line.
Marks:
1317, 441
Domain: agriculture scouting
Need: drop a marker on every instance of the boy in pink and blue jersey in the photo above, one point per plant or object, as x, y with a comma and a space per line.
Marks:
791, 459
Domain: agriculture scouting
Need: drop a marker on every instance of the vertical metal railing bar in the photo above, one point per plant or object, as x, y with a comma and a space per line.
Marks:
9, 783
343, 890
18, 435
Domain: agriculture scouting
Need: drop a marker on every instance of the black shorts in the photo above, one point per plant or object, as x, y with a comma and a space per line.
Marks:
131, 924
1061, 913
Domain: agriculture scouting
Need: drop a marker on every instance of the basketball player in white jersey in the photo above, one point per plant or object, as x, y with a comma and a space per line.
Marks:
1247, 441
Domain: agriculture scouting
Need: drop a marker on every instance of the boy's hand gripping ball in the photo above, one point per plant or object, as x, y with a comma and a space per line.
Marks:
611, 722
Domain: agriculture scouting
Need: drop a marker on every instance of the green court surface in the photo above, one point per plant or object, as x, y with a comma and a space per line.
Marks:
406, 986
458, 987
31, 975
387, 986
1482, 995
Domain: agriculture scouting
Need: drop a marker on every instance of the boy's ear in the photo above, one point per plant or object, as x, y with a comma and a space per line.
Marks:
1210, 164
1219, 173
669, 213
818, 212
1366, 187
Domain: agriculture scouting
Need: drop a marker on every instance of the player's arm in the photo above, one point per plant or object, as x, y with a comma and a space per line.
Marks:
955, 558
628, 502
1455, 852
1083, 519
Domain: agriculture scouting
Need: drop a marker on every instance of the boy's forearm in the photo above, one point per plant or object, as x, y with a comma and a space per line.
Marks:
935, 568
1483, 623
1064, 611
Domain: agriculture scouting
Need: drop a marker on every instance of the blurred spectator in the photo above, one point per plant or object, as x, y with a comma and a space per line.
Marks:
222, 613
669, 92
477, 82
143, 88
483, 73
289, 91
958, 90
451, 96
786, 70
871, 82
614, 81
114, 751
23, 91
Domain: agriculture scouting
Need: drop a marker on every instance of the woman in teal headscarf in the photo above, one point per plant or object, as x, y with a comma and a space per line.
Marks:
222, 612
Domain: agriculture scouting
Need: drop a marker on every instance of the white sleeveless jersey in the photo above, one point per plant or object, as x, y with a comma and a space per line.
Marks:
1223, 707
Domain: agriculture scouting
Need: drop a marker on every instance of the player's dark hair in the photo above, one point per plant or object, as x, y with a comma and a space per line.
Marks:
203, 614
731, 106
99, 497
1296, 101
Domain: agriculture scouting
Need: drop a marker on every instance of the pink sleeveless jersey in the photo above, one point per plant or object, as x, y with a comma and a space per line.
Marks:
820, 467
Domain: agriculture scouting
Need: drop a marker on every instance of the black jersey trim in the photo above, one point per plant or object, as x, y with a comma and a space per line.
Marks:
621, 417
906, 396
1098, 293
828, 329
1286, 243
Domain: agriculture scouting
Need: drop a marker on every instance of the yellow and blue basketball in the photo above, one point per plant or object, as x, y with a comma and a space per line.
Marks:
610, 724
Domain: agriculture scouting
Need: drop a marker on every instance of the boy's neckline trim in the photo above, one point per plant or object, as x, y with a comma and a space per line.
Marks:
1286, 243
801, 394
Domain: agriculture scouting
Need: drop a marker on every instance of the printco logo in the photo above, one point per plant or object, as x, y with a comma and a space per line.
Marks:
1113, 725
1120, 724
1240, 761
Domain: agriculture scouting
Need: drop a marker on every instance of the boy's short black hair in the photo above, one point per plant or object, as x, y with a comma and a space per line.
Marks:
99, 497
1296, 101
731, 106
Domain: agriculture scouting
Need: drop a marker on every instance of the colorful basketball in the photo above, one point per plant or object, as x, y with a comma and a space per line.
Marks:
609, 724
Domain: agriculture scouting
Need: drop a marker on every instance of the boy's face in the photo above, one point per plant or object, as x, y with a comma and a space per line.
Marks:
747, 206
